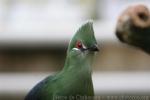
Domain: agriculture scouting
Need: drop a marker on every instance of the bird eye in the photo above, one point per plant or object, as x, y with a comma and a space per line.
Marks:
79, 44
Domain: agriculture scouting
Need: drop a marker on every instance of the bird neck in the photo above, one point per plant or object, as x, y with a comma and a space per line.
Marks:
82, 65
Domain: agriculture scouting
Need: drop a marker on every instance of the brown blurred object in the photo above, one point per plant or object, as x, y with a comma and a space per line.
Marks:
133, 27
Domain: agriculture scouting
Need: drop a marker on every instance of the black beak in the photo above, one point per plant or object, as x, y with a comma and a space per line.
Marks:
93, 48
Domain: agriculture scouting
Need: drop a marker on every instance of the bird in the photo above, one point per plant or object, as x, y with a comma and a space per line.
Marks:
75, 78
133, 27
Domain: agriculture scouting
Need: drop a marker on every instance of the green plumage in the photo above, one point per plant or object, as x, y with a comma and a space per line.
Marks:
75, 78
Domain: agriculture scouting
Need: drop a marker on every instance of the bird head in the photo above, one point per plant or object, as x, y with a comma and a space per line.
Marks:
83, 44
84, 39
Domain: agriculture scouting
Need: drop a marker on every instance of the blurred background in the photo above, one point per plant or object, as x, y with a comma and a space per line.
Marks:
34, 35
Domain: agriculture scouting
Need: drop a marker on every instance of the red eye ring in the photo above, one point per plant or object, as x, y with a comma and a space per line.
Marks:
79, 44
